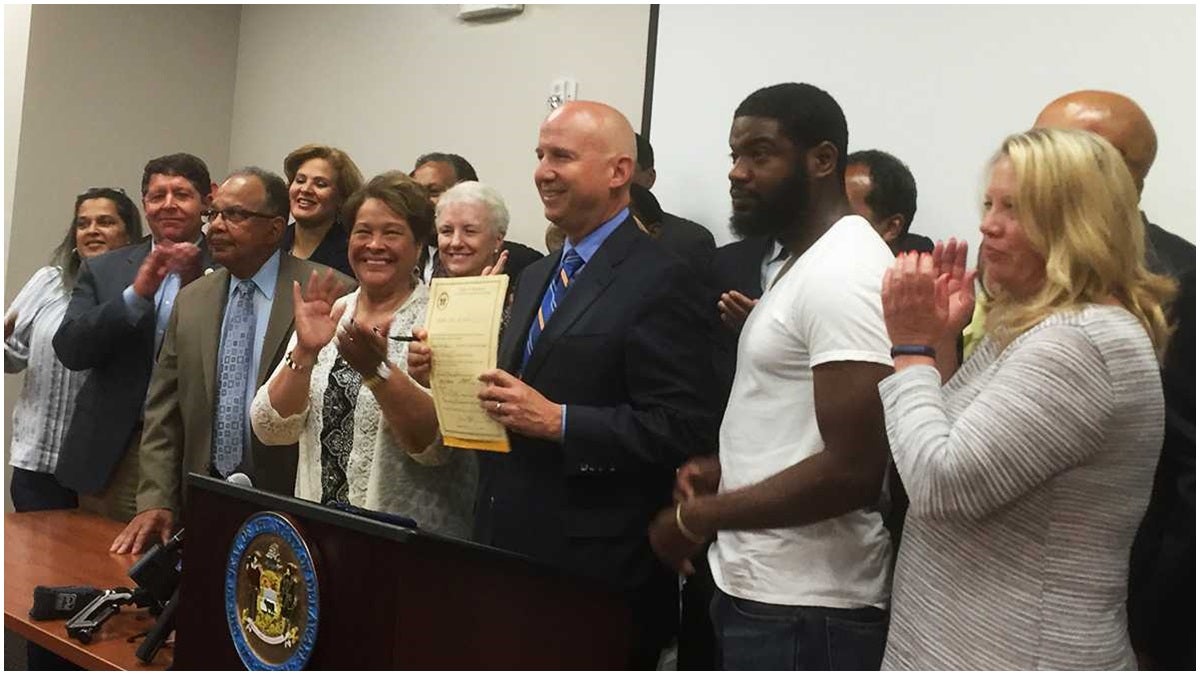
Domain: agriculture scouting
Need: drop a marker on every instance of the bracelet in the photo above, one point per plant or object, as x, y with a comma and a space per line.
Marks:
382, 372
384, 369
687, 534
287, 359
913, 350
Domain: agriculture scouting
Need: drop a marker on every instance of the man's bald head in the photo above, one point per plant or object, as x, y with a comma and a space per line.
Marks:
603, 124
1116, 118
586, 154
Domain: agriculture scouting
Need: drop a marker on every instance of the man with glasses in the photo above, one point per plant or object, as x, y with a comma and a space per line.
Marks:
114, 326
227, 334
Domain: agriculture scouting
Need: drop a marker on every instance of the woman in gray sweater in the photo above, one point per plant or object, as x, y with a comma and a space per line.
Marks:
1029, 468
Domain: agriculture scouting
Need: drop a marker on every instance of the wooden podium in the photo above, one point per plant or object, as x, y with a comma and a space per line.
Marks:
396, 598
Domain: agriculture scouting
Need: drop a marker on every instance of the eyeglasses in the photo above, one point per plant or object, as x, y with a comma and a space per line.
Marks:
232, 215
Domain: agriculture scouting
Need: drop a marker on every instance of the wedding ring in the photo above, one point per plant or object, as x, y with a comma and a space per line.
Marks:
499, 405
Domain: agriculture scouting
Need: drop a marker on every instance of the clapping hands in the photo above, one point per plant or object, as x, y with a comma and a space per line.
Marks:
928, 297
315, 316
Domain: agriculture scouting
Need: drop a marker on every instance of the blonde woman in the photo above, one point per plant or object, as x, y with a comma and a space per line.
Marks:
1029, 468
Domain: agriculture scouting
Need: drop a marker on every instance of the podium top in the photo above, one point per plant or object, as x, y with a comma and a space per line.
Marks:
372, 526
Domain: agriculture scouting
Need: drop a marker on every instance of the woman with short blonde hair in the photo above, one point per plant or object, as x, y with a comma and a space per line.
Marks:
1029, 469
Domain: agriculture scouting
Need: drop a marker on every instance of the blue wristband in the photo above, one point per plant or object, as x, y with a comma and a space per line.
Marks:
913, 350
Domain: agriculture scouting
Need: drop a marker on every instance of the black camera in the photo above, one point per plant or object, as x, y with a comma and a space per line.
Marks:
158, 570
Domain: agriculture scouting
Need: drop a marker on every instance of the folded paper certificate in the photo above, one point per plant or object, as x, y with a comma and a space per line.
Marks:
464, 334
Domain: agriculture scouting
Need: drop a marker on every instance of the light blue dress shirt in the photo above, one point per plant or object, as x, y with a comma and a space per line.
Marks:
164, 302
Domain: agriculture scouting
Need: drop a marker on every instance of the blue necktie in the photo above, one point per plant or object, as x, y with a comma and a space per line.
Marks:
233, 371
554, 294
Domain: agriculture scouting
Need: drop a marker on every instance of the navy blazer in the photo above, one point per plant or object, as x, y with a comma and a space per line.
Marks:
626, 350
735, 267
95, 334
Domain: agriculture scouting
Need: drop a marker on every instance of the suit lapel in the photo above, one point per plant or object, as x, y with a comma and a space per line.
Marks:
754, 263
525, 305
587, 286
133, 259
216, 293
280, 323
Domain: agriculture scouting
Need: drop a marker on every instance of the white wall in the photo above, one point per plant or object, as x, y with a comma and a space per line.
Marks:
937, 86
16, 50
388, 83
105, 89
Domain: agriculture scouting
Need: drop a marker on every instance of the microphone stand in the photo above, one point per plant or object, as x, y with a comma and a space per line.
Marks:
158, 634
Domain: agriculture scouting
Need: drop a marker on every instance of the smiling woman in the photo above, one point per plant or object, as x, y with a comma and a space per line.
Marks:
105, 219
320, 179
366, 429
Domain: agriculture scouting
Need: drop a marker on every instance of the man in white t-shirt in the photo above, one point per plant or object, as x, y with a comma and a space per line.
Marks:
801, 559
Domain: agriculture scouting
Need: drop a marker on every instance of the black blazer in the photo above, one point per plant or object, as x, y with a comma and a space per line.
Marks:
626, 351
96, 335
737, 267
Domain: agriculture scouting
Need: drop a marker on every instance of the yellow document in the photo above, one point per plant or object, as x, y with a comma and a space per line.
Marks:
464, 334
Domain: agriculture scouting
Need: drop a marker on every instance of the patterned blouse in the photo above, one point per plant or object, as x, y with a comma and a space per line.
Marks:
348, 452
47, 399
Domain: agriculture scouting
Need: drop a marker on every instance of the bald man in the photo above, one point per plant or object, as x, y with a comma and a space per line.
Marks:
604, 386
1124, 124
1162, 591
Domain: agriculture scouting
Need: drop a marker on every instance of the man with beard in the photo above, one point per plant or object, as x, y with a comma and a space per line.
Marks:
801, 559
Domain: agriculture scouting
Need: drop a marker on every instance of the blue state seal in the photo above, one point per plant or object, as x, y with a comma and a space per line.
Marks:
271, 594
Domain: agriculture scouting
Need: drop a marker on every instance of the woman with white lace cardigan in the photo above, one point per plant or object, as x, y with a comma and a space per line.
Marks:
1030, 467
366, 430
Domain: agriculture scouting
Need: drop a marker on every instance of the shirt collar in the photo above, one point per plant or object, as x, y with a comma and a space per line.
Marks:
264, 278
587, 247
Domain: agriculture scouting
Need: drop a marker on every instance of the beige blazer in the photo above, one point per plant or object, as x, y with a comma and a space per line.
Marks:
177, 438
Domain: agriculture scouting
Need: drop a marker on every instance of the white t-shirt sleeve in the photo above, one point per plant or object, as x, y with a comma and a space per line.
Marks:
840, 315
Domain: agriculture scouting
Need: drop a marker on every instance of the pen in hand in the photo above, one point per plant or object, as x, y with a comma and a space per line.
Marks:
397, 338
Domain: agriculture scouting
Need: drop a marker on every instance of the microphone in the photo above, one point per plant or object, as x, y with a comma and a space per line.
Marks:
239, 478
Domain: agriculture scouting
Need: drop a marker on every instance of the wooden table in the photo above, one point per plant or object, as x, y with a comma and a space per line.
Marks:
70, 548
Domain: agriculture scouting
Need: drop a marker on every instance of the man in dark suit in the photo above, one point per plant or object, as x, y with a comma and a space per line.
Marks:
604, 386
225, 337
1162, 570
440, 171
882, 189
114, 325
686, 238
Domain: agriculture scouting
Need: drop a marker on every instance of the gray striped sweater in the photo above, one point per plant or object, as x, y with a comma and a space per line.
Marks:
1028, 473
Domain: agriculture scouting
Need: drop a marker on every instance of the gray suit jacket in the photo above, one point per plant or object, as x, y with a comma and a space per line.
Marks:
96, 334
179, 407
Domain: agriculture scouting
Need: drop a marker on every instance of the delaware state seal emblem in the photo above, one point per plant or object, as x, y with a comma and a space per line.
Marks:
271, 598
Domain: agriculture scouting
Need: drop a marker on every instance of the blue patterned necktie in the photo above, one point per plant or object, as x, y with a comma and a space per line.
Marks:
233, 371
554, 294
